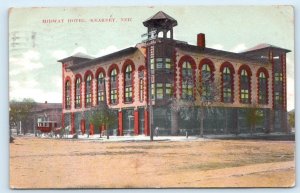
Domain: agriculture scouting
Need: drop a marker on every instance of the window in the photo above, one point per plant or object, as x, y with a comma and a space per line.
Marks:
113, 75
206, 72
141, 85
206, 82
187, 91
159, 63
88, 89
128, 72
152, 64
101, 88
128, 94
227, 91
168, 64
113, 96
68, 95
113, 86
186, 69
278, 98
168, 90
187, 81
244, 87
159, 91
226, 74
152, 91
262, 88
128, 84
78, 93
244, 96
278, 77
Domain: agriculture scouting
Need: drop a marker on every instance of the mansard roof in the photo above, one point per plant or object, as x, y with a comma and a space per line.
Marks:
77, 55
114, 55
264, 46
219, 53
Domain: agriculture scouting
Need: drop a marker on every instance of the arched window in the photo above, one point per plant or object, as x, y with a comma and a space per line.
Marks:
78, 93
244, 87
88, 91
101, 87
227, 87
187, 81
206, 80
68, 95
262, 90
113, 86
128, 84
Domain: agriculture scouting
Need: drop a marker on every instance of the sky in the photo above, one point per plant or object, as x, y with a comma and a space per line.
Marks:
36, 42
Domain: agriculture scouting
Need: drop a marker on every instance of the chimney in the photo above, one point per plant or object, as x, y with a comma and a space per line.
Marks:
201, 40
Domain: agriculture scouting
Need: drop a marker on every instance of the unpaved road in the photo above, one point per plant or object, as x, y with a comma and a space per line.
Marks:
56, 163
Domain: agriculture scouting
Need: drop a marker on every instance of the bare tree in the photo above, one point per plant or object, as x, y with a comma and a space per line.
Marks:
206, 91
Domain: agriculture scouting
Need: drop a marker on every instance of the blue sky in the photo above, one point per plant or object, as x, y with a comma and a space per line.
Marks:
35, 73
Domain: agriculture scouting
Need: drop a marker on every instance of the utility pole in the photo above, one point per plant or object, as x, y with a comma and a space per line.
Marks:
149, 92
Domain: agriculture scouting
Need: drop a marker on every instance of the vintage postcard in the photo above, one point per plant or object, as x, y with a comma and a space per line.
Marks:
151, 97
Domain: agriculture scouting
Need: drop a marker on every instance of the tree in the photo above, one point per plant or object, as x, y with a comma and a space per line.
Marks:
20, 112
103, 115
206, 92
108, 118
96, 118
253, 116
292, 119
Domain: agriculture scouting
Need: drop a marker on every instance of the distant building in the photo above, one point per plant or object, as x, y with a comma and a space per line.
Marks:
46, 112
257, 75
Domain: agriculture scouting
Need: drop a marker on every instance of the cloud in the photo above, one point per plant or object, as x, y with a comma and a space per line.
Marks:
107, 50
217, 47
59, 54
31, 89
30, 60
57, 81
239, 48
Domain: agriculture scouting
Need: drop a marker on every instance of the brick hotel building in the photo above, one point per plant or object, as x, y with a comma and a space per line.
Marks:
257, 75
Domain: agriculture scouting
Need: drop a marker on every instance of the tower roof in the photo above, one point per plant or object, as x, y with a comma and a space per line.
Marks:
160, 19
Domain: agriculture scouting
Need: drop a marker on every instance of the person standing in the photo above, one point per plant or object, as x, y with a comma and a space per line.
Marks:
156, 131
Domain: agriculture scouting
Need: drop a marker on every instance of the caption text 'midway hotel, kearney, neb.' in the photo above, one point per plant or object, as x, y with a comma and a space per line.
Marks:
92, 20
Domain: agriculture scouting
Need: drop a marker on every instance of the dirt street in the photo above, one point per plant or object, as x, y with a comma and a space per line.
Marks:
57, 163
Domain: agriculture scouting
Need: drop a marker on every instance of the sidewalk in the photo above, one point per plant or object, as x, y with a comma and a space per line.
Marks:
136, 138
256, 136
